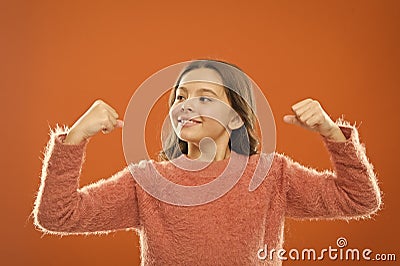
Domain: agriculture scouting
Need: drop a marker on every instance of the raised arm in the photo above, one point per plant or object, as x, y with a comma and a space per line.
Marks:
64, 208
61, 207
350, 191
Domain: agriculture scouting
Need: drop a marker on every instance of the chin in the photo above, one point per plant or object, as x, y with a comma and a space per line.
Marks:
189, 139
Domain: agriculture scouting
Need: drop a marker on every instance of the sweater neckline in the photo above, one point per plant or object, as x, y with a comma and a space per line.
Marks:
186, 163
236, 162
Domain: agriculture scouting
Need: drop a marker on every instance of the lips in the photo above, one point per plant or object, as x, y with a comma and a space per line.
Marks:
188, 121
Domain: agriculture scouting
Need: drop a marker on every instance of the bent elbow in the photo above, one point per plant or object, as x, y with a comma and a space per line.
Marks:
50, 224
375, 203
370, 205
45, 223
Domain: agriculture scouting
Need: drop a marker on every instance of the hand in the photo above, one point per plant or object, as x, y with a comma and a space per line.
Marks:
310, 115
99, 117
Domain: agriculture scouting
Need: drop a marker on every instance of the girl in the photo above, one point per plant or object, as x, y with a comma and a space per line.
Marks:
231, 229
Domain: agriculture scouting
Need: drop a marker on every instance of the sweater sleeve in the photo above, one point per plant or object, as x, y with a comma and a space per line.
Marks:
350, 191
61, 207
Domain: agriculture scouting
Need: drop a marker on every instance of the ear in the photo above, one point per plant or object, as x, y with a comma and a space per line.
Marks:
235, 122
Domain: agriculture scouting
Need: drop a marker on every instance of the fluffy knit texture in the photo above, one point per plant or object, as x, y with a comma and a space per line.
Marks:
227, 231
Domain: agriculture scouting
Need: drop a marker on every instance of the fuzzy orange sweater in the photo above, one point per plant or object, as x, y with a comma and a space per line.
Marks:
227, 231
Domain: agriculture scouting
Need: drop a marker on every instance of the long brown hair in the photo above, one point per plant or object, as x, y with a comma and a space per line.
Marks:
238, 89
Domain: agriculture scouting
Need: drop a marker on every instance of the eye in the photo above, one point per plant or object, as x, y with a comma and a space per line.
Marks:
205, 99
179, 97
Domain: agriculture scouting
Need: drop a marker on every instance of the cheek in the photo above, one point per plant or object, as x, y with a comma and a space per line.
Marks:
173, 113
213, 125
218, 113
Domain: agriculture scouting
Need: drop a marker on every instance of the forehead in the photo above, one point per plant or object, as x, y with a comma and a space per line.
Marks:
201, 75
201, 87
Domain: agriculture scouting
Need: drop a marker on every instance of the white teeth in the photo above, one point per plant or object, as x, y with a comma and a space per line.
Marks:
183, 121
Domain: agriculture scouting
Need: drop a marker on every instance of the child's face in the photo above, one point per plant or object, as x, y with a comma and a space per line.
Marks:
201, 108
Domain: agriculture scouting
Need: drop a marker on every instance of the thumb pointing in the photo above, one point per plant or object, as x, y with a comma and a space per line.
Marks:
120, 123
290, 119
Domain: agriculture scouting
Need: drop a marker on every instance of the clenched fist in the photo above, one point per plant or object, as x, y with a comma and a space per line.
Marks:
99, 117
310, 115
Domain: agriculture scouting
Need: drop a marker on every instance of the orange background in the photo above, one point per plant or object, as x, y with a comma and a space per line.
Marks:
58, 57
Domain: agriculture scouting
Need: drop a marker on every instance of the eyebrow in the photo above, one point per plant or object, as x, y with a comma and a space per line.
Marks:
201, 89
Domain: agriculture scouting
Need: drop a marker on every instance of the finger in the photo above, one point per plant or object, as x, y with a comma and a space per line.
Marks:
113, 120
106, 107
301, 104
109, 125
120, 123
107, 129
291, 119
309, 123
307, 114
310, 109
303, 109
312, 122
112, 111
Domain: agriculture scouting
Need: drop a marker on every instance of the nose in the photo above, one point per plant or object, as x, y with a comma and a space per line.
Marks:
186, 106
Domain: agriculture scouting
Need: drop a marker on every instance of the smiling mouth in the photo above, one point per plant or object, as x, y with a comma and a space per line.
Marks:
188, 121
